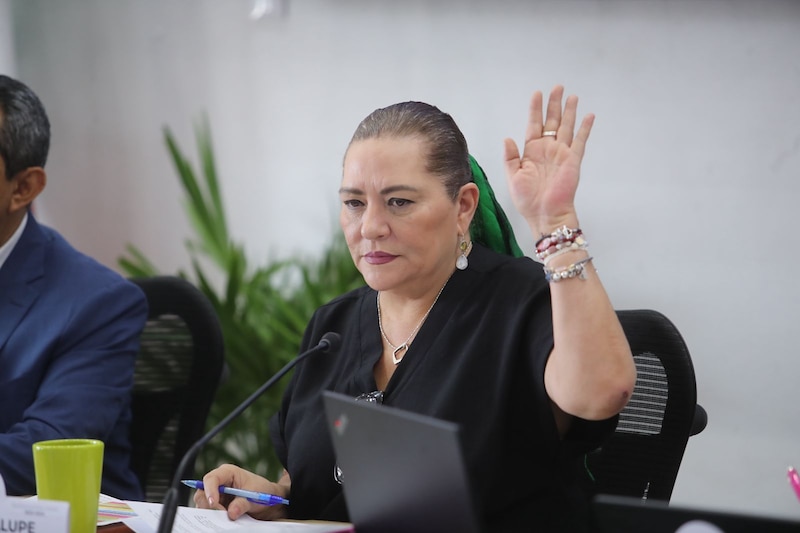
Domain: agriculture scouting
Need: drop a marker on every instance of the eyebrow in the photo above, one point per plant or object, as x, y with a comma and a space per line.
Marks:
383, 192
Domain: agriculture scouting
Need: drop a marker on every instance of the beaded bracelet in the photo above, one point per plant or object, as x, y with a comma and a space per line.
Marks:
558, 235
575, 269
561, 249
560, 239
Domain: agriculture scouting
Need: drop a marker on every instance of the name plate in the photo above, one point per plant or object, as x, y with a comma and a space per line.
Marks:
25, 515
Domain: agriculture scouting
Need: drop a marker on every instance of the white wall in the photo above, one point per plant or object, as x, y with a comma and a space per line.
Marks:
7, 63
689, 189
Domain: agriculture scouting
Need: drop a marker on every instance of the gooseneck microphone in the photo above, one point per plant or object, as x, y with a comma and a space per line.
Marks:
329, 342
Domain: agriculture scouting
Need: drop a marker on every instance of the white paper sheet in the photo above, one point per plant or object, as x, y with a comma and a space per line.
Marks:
26, 514
192, 520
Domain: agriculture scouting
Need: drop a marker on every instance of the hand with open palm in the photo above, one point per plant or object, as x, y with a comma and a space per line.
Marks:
544, 178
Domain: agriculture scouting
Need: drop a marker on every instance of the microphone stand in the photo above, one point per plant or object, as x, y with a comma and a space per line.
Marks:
328, 342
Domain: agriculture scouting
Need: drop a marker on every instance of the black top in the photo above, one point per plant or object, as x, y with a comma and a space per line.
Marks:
478, 360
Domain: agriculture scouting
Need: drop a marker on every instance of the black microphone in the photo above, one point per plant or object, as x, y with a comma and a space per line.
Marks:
329, 342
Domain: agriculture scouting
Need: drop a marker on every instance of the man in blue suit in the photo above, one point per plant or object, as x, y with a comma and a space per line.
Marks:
69, 327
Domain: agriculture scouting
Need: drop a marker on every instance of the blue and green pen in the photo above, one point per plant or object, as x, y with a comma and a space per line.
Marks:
255, 497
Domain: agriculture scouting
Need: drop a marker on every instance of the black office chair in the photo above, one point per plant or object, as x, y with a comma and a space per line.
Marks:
643, 456
179, 366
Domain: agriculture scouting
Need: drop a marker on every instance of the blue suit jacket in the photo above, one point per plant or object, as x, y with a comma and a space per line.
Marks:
69, 335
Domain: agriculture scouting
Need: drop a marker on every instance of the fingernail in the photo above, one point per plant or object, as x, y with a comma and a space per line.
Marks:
210, 501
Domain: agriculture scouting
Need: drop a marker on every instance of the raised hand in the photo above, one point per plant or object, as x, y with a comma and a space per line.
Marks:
544, 178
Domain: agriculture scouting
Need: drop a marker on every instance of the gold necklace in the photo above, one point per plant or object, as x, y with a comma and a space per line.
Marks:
404, 347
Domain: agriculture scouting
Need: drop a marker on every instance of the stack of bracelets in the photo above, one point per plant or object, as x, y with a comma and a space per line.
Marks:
562, 241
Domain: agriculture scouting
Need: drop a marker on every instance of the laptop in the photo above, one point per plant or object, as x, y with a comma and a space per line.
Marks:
620, 514
401, 471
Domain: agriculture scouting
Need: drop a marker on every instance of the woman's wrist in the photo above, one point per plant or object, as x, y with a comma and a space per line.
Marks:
562, 240
545, 226
563, 253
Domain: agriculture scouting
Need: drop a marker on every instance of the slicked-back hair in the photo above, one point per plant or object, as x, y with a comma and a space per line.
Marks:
447, 153
24, 127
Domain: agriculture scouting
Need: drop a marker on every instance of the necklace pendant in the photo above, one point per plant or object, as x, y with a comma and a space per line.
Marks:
404, 348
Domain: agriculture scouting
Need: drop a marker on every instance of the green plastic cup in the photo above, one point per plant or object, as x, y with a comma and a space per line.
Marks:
70, 470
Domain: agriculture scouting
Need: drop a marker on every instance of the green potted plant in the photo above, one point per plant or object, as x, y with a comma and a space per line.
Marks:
263, 309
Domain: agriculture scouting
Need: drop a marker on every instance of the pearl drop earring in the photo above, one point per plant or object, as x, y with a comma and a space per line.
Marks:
462, 262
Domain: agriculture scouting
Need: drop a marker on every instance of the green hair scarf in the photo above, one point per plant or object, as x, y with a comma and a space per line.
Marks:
490, 226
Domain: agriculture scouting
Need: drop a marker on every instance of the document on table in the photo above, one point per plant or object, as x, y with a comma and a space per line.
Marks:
193, 520
111, 510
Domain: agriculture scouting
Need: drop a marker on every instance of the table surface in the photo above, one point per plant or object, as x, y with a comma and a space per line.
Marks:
122, 528
114, 528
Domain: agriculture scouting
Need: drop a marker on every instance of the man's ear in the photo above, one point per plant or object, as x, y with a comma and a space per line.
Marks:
29, 183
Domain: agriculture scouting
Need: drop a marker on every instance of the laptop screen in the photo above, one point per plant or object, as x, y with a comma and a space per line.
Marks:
400, 471
619, 514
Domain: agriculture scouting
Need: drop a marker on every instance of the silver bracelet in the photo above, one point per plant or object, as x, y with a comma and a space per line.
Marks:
571, 271
573, 247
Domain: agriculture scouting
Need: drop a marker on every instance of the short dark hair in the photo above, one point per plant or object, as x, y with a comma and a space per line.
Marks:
24, 127
448, 155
